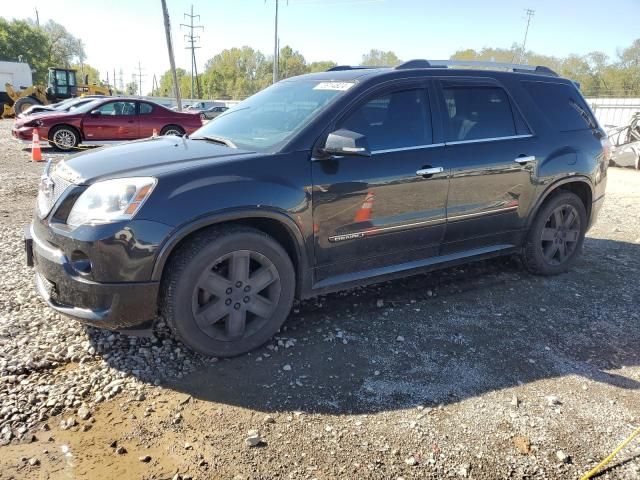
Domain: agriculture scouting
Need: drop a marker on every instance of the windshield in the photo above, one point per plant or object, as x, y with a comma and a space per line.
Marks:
87, 107
268, 119
70, 104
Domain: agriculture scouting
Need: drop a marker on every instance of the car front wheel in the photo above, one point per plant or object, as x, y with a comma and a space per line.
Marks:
227, 290
64, 138
555, 239
174, 130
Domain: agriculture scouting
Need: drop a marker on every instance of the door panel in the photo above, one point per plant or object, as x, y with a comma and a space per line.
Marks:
489, 192
117, 121
491, 155
148, 120
375, 211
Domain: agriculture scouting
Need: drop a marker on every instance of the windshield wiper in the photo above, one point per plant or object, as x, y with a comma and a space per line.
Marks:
222, 141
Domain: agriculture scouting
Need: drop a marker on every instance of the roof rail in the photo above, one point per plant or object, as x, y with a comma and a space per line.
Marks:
339, 68
514, 67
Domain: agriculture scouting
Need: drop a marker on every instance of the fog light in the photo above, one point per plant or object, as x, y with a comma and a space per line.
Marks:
80, 262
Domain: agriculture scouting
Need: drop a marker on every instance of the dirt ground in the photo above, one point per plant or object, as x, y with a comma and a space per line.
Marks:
477, 372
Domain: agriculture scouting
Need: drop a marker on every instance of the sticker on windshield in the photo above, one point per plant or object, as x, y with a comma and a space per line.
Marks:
339, 86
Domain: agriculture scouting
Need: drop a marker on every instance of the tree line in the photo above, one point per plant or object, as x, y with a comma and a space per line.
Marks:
237, 73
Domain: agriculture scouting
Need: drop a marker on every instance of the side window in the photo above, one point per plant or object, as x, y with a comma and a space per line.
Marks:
475, 112
562, 104
118, 108
145, 108
395, 120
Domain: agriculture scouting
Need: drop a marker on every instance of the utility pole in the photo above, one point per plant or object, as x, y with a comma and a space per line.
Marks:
276, 53
139, 75
191, 40
276, 46
121, 83
37, 18
167, 31
530, 13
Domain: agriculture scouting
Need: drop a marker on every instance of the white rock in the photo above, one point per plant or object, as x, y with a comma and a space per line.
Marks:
253, 438
411, 461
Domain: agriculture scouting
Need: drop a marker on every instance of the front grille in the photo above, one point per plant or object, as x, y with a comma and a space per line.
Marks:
59, 186
51, 189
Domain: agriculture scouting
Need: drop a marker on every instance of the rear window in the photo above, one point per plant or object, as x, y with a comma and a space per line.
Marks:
562, 104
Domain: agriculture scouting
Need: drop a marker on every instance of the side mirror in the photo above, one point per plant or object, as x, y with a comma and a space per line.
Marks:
346, 142
95, 112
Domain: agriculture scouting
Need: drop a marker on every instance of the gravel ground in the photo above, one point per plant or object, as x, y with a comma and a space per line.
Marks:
476, 372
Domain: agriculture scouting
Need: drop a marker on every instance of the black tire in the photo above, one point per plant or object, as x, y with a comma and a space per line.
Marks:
207, 298
64, 138
23, 103
176, 130
555, 239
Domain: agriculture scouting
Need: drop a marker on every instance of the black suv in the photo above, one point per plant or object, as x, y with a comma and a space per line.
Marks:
320, 183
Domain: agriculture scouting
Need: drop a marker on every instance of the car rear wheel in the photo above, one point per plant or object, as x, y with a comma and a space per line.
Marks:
556, 236
64, 138
227, 290
172, 130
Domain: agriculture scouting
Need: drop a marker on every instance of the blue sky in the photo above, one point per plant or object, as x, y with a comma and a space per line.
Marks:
118, 33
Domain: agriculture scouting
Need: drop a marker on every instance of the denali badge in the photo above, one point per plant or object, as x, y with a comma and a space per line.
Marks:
347, 236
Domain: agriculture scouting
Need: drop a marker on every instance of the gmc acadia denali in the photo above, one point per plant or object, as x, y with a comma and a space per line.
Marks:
319, 183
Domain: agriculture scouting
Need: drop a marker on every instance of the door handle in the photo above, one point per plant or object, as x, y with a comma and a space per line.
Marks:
429, 171
526, 159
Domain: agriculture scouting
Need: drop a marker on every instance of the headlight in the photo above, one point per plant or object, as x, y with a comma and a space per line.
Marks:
111, 201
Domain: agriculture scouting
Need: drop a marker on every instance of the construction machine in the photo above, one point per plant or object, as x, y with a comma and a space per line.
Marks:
61, 84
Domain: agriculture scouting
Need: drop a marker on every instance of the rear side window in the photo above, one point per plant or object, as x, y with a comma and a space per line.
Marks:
395, 120
145, 108
562, 104
476, 113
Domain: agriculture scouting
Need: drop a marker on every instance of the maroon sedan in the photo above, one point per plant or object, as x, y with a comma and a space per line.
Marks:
105, 120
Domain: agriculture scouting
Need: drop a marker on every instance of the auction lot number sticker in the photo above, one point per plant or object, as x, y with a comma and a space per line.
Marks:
339, 86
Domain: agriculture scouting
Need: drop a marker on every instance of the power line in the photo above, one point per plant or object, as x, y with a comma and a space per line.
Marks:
191, 40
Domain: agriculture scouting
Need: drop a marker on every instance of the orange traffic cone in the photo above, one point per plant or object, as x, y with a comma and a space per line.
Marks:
364, 213
155, 133
36, 153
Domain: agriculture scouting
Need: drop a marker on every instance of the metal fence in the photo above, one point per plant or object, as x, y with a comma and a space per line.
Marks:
612, 112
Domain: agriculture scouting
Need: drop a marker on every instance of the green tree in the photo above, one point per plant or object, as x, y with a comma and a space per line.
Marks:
64, 48
86, 69
291, 63
321, 66
166, 83
235, 73
379, 58
131, 88
20, 40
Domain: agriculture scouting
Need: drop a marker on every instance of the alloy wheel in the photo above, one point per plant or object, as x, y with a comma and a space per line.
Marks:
236, 295
64, 139
560, 235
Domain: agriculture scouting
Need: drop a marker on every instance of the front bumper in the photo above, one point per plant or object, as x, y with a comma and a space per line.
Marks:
114, 306
24, 135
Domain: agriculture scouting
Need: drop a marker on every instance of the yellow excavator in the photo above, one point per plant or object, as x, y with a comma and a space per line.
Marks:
61, 84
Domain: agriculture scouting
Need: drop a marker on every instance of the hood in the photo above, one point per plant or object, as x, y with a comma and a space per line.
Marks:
46, 115
141, 158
